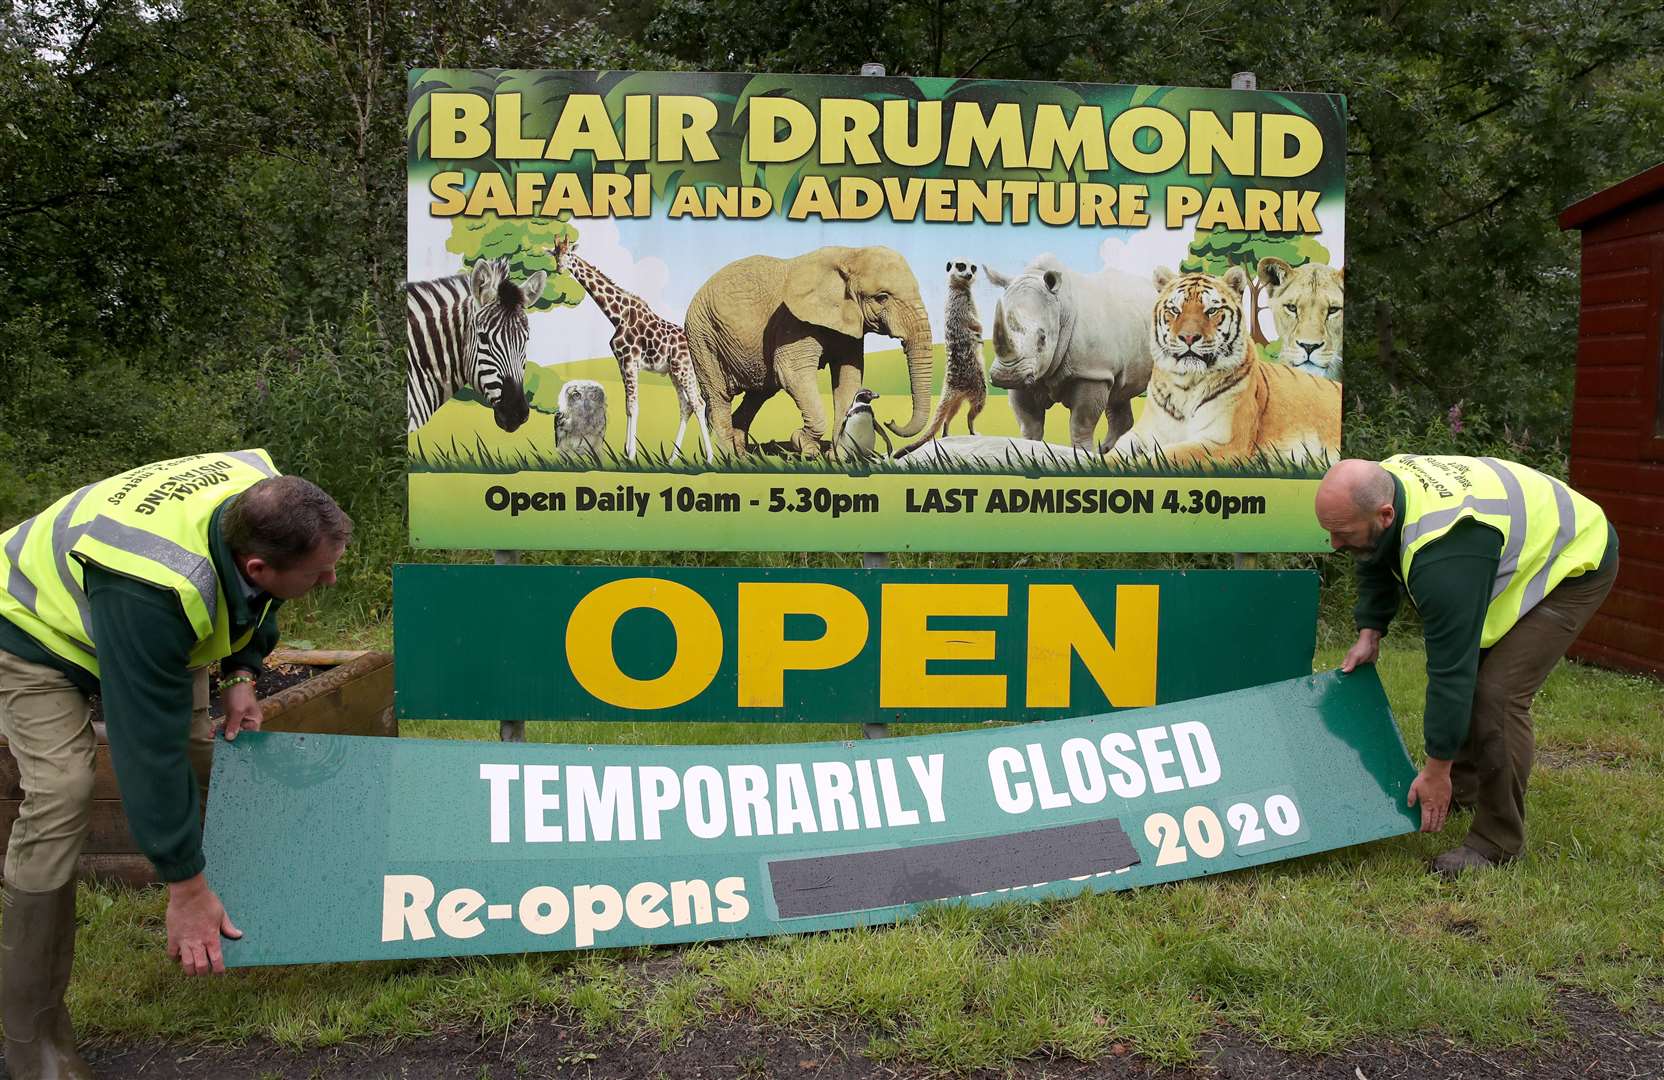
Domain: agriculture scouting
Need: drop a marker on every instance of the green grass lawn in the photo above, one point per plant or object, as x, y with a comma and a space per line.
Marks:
1306, 955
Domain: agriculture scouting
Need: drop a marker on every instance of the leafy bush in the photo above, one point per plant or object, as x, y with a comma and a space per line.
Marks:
1392, 423
71, 412
329, 405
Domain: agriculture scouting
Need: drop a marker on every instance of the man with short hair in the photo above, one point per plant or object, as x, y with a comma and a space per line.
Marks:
1505, 566
130, 587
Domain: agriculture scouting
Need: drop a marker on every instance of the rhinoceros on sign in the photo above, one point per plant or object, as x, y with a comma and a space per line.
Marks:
1066, 338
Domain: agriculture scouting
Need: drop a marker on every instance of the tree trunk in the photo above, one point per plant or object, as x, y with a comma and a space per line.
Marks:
941, 30
1254, 312
1388, 352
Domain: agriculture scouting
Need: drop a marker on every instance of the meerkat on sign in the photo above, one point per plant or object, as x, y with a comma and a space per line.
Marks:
964, 383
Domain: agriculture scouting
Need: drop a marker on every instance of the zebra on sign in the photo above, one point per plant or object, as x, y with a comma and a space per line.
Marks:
469, 330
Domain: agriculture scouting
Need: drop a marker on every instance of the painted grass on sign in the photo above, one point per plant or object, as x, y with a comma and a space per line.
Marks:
483, 458
465, 419
1307, 955
462, 436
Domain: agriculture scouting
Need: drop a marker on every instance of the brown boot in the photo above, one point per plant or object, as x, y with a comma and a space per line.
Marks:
1458, 861
37, 950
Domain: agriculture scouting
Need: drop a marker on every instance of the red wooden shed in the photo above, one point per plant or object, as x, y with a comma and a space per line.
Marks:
1618, 413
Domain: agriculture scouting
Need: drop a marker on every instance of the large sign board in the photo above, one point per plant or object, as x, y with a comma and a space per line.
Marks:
648, 310
955, 646
473, 847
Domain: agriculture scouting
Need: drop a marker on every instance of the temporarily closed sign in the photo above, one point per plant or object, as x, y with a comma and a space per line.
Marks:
953, 646
475, 847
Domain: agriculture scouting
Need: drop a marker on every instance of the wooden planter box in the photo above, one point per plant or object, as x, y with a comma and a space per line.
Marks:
353, 698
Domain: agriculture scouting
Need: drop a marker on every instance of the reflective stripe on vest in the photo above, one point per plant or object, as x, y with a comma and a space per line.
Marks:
1537, 587
197, 569
254, 459
1554, 531
16, 582
64, 537
150, 524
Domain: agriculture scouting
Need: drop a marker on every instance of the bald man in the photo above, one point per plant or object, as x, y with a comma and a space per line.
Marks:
1505, 567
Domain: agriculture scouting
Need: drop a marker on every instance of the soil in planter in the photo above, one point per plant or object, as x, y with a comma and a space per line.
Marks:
276, 677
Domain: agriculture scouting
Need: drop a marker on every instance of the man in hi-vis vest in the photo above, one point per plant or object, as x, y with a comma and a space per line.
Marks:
130, 587
1505, 566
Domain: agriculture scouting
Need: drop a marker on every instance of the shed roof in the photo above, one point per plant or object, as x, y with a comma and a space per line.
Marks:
1616, 197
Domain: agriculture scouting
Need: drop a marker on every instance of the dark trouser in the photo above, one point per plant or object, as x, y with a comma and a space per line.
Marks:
1491, 770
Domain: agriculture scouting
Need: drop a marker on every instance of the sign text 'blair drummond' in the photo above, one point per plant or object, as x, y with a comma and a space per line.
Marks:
598, 643
464, 848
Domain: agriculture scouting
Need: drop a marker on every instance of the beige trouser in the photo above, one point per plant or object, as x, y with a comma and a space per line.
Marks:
1491, 770
48, 726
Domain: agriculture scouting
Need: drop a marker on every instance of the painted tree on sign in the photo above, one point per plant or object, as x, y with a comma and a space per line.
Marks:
524, 242
1216, 251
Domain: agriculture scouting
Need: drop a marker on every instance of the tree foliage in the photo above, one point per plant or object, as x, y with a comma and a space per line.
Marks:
523, 241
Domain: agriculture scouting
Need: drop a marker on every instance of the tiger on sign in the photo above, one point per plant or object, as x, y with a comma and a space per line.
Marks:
1211, 397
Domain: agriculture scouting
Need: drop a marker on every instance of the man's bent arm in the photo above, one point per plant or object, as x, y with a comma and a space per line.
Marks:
1377, 597
1450, 582
144, 648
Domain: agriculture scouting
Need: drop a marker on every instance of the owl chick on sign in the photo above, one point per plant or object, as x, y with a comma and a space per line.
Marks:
581, 418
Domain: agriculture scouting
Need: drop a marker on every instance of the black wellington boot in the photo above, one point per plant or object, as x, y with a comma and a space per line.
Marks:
37, 951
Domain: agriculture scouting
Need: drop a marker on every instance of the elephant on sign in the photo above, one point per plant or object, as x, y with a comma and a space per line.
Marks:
761, 325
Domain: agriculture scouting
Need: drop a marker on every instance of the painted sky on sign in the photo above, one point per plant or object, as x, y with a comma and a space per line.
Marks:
666, 261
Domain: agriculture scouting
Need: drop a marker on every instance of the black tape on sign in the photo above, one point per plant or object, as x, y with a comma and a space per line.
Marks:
827, 884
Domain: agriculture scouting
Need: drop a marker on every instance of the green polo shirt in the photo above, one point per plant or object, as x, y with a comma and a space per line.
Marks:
144, 644
1450, 586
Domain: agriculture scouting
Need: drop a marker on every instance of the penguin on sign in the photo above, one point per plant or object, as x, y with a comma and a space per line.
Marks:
857, 438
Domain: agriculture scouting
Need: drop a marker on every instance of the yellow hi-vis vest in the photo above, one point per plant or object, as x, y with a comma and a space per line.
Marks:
1549, 532
149, 524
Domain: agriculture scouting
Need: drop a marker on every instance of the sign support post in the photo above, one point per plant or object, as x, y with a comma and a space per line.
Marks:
509, 730
1245, 80
874, 560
